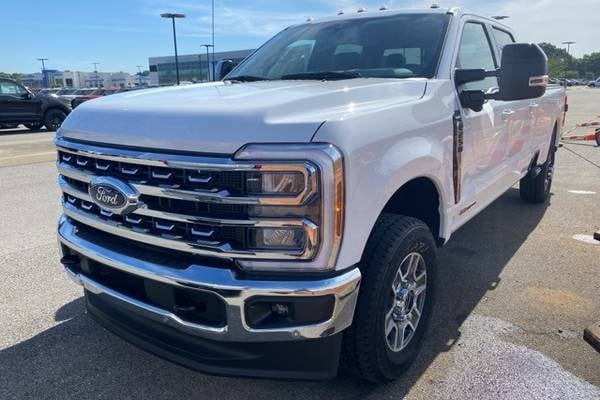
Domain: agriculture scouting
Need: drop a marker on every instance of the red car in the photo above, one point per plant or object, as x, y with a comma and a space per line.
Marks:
96, 93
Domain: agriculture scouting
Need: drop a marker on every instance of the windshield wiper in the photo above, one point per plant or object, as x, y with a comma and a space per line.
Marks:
246, 78
323, 75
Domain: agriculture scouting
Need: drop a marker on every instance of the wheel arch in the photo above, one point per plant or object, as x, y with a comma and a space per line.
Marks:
421, 198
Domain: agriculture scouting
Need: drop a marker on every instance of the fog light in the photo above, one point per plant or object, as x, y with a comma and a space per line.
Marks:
263, 312
276, 238
280, 309
282, 183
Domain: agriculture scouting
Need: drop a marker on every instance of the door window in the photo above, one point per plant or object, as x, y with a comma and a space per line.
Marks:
10, 88
475, 52
502, 39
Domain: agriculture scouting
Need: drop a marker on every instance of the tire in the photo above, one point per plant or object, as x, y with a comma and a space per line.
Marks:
367, 346
535, 187
34, 126
54, 118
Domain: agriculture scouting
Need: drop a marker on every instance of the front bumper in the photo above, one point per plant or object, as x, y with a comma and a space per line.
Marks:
163, 332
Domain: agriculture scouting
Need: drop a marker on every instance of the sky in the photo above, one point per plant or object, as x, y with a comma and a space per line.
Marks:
121, 34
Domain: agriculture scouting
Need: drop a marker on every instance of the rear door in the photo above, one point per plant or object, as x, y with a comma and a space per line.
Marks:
521, 126
485, 148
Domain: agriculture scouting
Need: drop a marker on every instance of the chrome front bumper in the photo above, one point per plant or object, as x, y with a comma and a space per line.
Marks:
223, 282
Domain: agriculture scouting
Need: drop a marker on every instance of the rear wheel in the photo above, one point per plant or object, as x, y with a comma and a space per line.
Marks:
54, 118
34, 126
394, 301
535, 186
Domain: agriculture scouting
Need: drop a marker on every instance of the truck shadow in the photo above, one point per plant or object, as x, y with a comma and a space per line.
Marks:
78, 359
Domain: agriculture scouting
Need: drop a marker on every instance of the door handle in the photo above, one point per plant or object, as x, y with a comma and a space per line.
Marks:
534, 105
506, 114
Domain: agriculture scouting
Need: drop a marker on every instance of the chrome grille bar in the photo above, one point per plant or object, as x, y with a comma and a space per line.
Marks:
148, 212
221, 196
221, 250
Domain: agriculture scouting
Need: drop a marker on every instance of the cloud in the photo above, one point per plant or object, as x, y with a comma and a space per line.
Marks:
532, 20
231, 20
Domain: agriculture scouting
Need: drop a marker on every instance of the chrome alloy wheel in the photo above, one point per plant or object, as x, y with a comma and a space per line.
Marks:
406, 302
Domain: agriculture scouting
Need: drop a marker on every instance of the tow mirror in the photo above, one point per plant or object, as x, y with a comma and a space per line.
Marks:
226, 68
523, 72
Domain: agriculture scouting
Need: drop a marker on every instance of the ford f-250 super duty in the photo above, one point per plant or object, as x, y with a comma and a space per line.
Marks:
286, 218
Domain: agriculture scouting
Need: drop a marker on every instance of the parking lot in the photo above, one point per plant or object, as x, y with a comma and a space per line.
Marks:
515, 292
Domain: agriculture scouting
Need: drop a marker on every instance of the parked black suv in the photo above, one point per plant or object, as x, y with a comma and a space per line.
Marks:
19, 106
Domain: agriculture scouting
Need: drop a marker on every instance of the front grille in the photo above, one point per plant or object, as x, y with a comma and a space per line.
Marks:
191, 204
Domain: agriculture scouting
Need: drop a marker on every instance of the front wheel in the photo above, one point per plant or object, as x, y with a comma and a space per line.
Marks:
54, 118
394, 301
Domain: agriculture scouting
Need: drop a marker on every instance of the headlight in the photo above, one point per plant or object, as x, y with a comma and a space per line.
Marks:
300, 206
278, 238
283, 183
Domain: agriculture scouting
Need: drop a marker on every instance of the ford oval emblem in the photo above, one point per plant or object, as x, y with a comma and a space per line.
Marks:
113, 195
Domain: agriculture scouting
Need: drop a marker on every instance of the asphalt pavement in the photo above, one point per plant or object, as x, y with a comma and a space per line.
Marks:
515, 291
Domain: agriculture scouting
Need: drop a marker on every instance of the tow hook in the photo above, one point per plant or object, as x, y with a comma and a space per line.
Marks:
70, 261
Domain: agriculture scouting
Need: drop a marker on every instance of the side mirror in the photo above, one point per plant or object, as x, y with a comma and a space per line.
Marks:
226, 67
523, 72
26, 96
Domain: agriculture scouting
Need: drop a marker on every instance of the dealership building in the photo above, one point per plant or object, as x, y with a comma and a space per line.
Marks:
80, 79
192, 67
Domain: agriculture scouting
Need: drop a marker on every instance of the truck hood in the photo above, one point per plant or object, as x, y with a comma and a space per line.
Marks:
221, 117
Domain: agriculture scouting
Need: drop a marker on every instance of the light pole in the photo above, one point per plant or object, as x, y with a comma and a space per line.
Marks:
96, 72
213, 38
139, 67
569, 46
172, 16
44, 79
208, 60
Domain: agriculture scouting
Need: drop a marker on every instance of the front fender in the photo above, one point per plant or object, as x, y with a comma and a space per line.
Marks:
376, 171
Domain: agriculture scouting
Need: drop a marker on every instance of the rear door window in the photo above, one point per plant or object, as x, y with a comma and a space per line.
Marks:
502, 38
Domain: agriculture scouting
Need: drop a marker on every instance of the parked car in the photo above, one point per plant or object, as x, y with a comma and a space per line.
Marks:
95, 94
75, 93
229, 226
595, 83
19, 106
48, 91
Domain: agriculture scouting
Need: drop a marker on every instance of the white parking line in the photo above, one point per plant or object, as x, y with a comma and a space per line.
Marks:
581, 192
28, 155
589, 239
27, 141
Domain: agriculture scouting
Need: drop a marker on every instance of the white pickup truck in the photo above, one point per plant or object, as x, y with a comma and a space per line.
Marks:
286, 218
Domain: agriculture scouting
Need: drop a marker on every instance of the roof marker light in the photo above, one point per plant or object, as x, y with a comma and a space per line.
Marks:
383, 8
340, 12
435, 5
361, 10
309, 19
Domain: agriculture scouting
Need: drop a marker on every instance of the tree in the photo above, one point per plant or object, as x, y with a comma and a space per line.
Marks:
556, 68
571, 75
590, 65
15, 76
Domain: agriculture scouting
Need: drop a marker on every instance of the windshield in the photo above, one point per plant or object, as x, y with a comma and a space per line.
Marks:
398, 46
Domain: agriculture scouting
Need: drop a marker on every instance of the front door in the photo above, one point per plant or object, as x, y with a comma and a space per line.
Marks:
485, 134
17, 104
